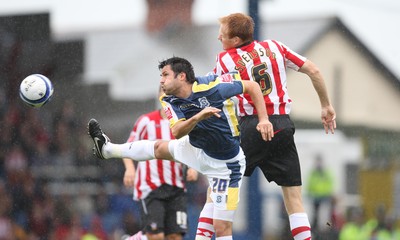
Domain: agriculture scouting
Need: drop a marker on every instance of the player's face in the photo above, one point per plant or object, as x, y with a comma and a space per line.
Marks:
227, 43
169, 84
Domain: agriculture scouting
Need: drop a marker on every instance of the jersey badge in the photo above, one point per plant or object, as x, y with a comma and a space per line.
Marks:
204, 102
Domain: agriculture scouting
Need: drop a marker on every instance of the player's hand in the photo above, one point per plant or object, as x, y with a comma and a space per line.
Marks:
129, 177
266, 129
208, 112
328, 117
191, 175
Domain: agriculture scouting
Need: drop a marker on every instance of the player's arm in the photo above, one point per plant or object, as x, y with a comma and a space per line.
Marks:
130, 171
264, 126
328, 114
180, 126
184, 127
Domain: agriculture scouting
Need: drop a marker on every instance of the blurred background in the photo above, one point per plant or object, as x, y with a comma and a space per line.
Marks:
102, 58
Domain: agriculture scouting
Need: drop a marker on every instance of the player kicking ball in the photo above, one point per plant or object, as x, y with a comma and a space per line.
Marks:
203, 120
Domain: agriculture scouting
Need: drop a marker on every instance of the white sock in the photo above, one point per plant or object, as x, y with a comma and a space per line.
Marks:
300, 226
205, 228
139, 150
224, 238
198, 237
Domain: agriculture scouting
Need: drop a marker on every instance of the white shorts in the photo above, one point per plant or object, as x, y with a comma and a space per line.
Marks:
224, 176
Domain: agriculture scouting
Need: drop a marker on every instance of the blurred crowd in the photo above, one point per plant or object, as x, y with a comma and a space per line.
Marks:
35, 139
381, 226
355, 225
350, 225
32, 207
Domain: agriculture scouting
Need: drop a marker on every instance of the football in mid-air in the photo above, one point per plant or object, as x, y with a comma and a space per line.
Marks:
36, 90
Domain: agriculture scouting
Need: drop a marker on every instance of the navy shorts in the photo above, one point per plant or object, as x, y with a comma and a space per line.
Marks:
277, 159
164, 210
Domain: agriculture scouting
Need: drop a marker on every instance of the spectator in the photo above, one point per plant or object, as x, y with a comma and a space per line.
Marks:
320, 189
354, 228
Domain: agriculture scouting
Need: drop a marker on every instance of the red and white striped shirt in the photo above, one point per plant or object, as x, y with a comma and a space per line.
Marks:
264, 62
154, 173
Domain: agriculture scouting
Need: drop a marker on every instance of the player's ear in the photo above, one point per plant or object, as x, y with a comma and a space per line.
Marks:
182, 75
237, 40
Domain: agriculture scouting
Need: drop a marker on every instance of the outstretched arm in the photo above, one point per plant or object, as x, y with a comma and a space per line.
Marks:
328, 114
264, 126
182, 128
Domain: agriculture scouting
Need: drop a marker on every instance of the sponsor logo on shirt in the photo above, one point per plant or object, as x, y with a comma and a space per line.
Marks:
203, 102
189, 105
168, 112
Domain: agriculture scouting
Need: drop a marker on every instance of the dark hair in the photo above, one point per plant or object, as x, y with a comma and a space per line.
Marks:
179, 65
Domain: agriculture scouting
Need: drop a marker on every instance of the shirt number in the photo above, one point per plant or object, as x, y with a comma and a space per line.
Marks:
261, 76
219, 185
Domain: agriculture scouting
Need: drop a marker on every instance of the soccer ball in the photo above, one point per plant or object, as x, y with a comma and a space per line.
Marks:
36, 90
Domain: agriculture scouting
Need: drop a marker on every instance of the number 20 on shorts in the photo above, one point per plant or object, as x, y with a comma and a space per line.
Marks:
219, 185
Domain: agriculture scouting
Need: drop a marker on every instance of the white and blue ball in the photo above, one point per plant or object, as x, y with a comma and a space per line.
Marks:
36, 90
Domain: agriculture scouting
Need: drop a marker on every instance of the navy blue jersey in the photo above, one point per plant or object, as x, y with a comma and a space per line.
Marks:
218, 137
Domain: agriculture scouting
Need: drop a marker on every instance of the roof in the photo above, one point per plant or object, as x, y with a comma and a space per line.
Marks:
385, 68
372, 22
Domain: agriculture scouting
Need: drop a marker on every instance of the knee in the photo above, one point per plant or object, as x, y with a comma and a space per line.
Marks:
222, 228
161, 150
157, 147
160, 147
